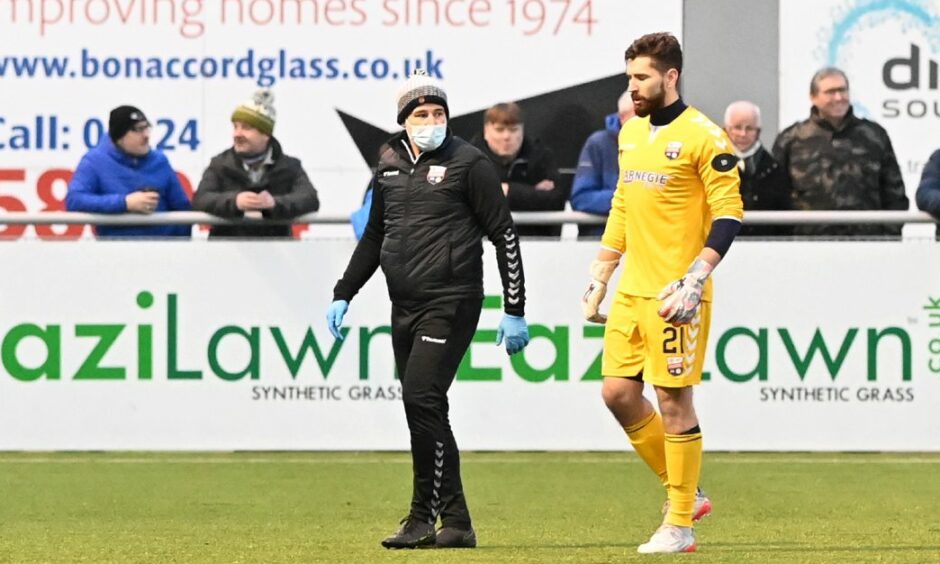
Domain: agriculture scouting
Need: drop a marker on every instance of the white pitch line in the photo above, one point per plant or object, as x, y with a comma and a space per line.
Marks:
466, 461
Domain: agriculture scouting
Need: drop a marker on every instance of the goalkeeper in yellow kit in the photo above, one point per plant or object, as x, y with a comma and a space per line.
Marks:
674, 215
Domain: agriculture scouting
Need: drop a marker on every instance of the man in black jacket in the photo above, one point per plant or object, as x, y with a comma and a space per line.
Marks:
765, 185
254, 178
526, 168
434, 198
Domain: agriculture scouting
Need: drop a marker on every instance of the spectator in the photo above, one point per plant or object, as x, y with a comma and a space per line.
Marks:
928, 192
123, 174
764, 184
596, 177
838, 161
526, 168
254, 178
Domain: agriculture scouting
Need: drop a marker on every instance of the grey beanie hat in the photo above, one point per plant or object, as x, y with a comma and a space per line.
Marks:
420, 89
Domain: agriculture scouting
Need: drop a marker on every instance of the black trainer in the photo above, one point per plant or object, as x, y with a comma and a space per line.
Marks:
412, 534
452, 537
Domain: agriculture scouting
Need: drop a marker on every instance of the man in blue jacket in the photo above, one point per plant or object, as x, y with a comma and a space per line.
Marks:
124, 175
596, 177
928, 192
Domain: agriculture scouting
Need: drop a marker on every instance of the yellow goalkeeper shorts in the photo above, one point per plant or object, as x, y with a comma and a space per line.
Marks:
637, 339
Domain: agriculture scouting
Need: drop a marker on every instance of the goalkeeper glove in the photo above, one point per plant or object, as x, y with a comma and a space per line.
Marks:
682, 297
601, 271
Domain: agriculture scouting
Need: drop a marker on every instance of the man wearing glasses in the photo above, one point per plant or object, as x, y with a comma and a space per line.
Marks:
124, 175
839, 161
764, 184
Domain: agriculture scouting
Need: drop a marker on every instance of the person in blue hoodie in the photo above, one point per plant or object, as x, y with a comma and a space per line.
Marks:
596, 176
124, 175
928, 191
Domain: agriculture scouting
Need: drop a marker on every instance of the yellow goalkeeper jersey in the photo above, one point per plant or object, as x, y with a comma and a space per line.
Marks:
674, 181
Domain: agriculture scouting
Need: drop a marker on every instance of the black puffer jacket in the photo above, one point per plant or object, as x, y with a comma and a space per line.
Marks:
286, 180
534, 163
765, 186
426, 226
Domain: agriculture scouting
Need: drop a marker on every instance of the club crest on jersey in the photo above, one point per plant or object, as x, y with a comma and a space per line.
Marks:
436, 174
673, 149
674, 365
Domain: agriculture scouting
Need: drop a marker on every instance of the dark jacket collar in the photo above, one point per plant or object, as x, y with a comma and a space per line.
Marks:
276, 153
665, 116
849, 120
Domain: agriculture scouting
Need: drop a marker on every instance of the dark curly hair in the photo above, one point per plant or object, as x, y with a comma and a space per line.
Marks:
662, 48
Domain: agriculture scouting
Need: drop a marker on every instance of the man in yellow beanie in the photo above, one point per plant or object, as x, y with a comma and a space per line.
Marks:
254, 178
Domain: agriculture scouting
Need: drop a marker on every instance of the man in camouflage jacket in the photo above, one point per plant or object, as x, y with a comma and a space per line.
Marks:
838, 161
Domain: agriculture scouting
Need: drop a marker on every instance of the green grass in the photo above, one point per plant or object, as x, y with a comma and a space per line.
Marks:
527, 507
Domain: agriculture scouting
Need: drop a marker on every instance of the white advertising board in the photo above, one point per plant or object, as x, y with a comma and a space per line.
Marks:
334, 66
125, 345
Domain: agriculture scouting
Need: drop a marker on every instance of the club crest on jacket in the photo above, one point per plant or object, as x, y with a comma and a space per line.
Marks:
436, 174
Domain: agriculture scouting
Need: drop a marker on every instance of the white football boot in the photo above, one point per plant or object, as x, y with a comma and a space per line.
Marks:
669, 539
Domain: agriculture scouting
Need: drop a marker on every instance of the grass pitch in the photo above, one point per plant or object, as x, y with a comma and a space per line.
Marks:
527, 507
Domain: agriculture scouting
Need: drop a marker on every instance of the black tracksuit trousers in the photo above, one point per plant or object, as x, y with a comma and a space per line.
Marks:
429, 343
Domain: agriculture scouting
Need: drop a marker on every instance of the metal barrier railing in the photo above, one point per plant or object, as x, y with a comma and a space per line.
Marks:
521, 218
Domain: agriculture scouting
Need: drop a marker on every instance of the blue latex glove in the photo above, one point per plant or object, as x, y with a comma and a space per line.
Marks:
516, 331
334, 317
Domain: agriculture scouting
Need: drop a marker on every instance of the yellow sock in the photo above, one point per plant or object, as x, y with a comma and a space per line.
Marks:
684, 463
647, 437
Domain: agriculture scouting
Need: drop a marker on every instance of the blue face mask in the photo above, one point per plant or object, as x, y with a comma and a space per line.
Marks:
427, 137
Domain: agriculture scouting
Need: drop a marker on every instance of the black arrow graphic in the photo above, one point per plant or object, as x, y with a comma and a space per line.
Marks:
562, 119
